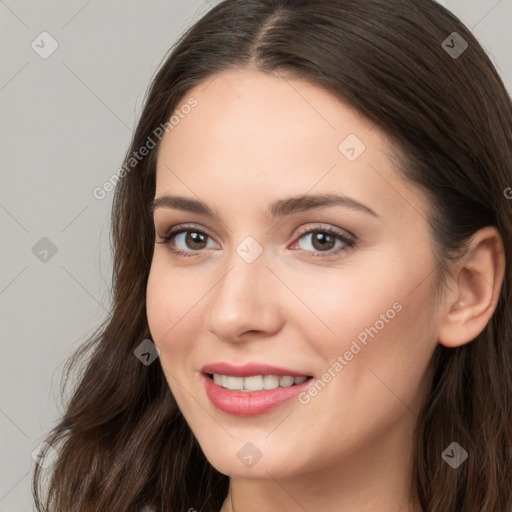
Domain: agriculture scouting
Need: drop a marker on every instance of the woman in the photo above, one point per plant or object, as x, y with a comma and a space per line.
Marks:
312, 275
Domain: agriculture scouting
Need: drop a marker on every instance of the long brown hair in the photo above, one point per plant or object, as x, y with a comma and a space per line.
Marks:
123, 443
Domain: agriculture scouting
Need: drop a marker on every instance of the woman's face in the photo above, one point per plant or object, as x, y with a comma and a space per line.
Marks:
341, 292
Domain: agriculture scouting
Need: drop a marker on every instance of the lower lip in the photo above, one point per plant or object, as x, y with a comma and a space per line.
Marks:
250, 403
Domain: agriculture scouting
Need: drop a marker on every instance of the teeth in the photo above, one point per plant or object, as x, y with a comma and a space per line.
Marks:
271, 382
234, 382
256, 382
284, 382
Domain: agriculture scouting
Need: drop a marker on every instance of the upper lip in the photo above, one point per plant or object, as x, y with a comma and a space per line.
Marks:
249, 369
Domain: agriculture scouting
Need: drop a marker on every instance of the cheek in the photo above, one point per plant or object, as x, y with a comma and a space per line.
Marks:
345, 304
374, 370
173, 307
374, 326
160, 300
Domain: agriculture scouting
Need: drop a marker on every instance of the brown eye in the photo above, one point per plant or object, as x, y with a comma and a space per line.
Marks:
186, 240
195, 240
324, 242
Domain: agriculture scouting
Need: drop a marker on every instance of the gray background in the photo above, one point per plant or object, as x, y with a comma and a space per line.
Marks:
67, 121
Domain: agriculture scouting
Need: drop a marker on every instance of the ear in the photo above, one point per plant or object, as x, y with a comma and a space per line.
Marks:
474, 290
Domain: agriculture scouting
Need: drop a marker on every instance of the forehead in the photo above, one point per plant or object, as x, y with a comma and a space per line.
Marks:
257, 108
255, 134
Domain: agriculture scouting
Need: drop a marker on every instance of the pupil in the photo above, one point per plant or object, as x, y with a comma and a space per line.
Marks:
195, 238
323, 239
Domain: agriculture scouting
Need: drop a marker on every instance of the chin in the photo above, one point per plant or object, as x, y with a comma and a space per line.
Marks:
243, 459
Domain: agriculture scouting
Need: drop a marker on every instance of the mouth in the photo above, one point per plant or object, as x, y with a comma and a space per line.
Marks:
253, 394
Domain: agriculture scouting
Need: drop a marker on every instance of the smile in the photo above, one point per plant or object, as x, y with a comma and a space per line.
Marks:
230, 394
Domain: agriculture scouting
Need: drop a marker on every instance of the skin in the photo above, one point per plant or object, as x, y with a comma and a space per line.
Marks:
254, 138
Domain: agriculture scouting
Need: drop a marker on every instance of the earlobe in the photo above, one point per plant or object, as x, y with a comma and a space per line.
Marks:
477, 277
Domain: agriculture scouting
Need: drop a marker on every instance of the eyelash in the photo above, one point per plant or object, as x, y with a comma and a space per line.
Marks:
184, 228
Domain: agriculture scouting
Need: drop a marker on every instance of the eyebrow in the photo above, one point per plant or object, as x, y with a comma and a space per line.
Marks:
279, 208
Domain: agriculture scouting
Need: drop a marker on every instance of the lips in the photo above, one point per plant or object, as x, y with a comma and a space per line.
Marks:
246, 402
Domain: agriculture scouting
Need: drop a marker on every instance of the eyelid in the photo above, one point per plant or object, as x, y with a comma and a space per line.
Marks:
180, 228
326, 227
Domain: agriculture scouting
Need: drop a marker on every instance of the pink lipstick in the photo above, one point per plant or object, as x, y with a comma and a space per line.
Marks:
251, 389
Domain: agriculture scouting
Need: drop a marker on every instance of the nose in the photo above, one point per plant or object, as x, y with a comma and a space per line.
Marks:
244, 304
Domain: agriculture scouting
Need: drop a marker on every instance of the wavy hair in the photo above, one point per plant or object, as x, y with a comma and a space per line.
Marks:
123, 443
